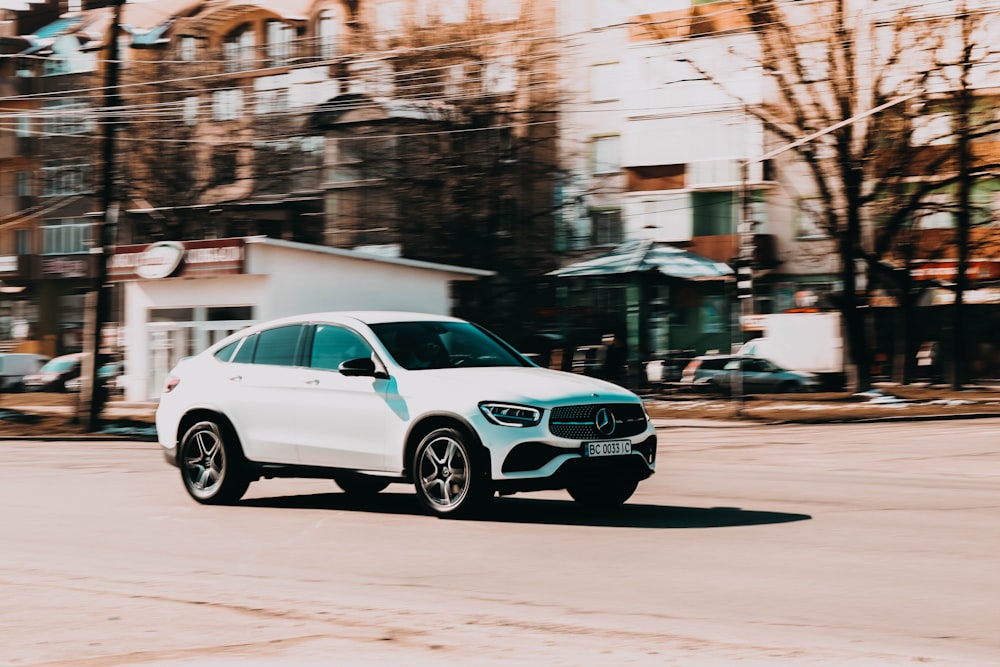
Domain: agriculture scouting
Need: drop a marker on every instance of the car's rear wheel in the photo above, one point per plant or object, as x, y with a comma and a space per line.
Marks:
789, 388
358, 484
602, 493
447, 475
210, 463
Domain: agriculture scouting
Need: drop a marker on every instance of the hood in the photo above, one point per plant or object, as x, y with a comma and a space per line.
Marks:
531, 385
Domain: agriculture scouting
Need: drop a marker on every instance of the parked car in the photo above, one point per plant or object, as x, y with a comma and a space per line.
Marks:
54, 374
15, 365
718, 373
109, 376
373, 398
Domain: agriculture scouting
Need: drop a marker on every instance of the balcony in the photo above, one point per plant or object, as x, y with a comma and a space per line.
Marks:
726, 247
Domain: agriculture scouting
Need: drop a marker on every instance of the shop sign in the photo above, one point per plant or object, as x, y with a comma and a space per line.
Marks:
9, 264
67, 266
160, 260
184, 259
978, 269
753, 322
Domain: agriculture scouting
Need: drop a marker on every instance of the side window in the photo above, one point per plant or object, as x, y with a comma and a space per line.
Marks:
226, 353
278, 346
333, 345
245, 354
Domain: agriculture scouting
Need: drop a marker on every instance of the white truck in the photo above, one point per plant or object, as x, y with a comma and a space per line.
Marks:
810, 341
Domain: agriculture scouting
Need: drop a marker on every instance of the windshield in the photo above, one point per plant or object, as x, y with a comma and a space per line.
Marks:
421, 345
58, 366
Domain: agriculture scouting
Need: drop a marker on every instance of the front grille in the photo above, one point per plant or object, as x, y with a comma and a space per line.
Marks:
576, 422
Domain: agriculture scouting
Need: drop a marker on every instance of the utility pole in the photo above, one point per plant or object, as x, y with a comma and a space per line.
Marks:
98, 300
963, 112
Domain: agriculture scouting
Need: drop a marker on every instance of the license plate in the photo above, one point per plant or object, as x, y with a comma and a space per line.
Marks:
607, 448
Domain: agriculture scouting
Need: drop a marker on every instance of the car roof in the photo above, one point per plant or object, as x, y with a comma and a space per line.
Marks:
363, 316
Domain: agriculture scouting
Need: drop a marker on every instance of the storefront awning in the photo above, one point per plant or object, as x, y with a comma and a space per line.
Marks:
643, 256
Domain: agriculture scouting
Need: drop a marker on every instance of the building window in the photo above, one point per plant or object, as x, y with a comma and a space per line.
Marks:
191, 111
22, 241
271, 93
23, 184
372, 77
714, 213
459, 80
224, 167
501, 10
239, 50
506, 217
329, 32
606, 227
605, 83
606, 154
66, 178
227, 104
810, 219
66, 237
66, 116
500, 76
359, 216
280, 38
360, 158
188, 48
23, 126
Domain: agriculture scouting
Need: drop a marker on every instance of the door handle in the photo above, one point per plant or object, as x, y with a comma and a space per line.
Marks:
236, 378
314, 381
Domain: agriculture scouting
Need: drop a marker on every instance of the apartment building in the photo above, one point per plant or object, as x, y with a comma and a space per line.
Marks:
667, 135
219, 133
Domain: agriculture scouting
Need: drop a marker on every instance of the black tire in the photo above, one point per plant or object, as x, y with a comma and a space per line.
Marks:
602, 493
448, 475
357, 484
211, 464
789, 388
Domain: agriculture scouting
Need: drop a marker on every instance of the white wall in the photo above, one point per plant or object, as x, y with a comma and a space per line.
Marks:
303, 281
141, 295
281, 281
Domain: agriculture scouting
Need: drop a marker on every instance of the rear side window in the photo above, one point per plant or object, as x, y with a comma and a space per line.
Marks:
245, 354
278, 346
226, 353
713, 364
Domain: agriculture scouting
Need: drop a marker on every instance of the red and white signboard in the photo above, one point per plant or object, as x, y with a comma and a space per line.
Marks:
978, 269
175, 259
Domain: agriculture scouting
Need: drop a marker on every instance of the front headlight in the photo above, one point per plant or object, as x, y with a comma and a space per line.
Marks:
506, 414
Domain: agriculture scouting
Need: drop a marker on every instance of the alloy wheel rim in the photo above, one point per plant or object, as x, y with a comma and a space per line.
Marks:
444, 472
204, 462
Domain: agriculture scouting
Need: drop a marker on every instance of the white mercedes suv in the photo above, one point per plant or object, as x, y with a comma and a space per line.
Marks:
372, 398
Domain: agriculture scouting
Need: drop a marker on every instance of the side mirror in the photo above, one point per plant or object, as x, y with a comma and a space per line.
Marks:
363, 367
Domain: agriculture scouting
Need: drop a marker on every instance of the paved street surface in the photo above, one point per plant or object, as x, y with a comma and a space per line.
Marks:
842, 545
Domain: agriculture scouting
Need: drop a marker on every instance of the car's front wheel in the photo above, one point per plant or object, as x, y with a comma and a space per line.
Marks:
210, 465
602, 493
447, 475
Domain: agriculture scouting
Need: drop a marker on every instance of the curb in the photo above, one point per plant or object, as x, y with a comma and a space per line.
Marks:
667, 422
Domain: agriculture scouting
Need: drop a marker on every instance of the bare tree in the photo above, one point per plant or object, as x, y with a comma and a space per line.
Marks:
847, 90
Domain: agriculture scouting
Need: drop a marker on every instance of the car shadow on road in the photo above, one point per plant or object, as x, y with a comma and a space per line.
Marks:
544, 511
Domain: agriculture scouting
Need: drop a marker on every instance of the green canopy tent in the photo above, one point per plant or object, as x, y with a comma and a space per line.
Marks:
650, 271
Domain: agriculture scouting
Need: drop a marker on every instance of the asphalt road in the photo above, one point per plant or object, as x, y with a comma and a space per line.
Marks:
846, 545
